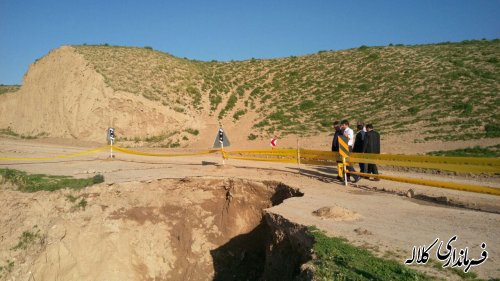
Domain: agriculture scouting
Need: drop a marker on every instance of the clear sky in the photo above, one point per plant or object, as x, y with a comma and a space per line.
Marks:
234, 30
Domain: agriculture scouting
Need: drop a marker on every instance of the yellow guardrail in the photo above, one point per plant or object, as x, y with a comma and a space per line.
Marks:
55, 157
328, 158
134, 152
453, 164
318, 157
435, 183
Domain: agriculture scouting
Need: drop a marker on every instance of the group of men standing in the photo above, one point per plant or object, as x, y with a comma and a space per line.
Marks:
366, 140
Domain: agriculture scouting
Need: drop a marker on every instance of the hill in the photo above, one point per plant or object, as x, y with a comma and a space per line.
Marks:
444, 92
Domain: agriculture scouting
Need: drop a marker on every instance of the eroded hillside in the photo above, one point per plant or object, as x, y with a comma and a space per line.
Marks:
452, 88
443, 92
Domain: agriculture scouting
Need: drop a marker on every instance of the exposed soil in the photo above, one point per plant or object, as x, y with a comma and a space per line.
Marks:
187, 229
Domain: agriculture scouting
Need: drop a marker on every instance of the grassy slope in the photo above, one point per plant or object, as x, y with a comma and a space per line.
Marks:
36, 182
8, 88
488, 151
337, 259
446, 91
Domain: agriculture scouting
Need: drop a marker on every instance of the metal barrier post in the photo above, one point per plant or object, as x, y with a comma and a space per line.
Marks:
111, 149
344, 167
222, 153
298, 155
344, 152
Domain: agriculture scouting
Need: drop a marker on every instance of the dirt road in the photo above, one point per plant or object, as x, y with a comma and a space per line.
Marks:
371, 214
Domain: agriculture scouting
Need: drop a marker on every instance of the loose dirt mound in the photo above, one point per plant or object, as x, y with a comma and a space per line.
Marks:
337, 213
162, 230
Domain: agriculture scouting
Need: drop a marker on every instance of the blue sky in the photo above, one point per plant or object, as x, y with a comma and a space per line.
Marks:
234, 30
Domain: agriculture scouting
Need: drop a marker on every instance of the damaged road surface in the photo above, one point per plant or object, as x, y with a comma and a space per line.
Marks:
187, 229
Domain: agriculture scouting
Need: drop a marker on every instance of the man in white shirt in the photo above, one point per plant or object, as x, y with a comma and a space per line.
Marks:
349, 133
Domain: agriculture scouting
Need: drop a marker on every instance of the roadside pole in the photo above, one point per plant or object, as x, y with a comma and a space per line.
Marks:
111, 149
220, 141
111, 137
344, 152
298, 155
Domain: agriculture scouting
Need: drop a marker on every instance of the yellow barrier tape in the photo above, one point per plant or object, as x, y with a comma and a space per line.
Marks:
282, 160
478, 161
322, 156
274, 152
54, 157
128, 151
319, 163
426, 165
274, 155
440, 184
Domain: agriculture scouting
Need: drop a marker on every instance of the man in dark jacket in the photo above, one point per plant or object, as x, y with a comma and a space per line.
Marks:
372, 145
335, 143
359, 143
338, 132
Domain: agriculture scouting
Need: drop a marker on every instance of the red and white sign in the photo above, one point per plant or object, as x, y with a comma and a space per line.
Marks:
274, 142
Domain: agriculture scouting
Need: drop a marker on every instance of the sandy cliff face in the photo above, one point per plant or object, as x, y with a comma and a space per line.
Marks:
62, 96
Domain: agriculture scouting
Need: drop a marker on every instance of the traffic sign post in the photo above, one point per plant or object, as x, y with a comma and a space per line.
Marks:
221, 140
274, 142
111, 138
344, 152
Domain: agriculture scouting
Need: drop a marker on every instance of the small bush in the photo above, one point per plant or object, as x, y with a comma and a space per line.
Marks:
178, 109
261, 124
97, 179
192, 131
364, 87
231, 102
413, 110
82, 204
238, 114
28, 238
252, 137
215, 100
465, 107
492, 130
306, 105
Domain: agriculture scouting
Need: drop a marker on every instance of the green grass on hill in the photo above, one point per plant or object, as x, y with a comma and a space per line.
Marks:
476, 151
36, 182
339, 260
9, 132
9, 88
446, 91
336, 259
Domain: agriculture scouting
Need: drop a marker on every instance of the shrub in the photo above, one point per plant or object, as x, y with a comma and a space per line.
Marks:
413, 110
492, 130
238, 114
364, 87
97, 179
214, 101
465, 107
252, 137
306, 105
192, 131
